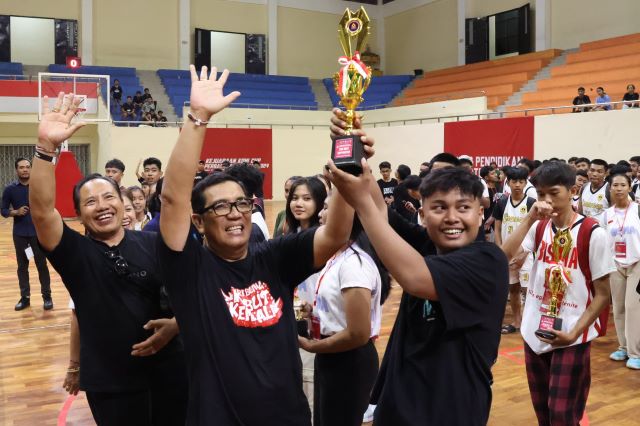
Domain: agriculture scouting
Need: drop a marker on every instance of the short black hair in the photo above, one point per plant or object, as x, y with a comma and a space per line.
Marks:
250, 177
138, 92
412, 182
485, 170
517, 173
465, 160
572, 159
160, 112
554, 173
198, 199
146, 88
582, 173
384, 165
583, 160
448, 179
580, 88
445, 157
599, 162
531, 165
255, 162
19, 159
95, 176
129, 97
152, 161
200, 161
115, 164
620, 170
403, 171
635, 158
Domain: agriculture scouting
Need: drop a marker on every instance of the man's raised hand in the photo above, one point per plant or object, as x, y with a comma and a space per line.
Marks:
55, 126
206, 92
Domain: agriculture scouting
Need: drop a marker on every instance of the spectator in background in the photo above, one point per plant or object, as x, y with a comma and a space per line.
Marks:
128, 112
149, 106
148, 120
259, 191
424, 169
631, 95
152, 172
407, 198
146, 95
161, 120
603, 100
581, 99
582, 163
201, 173
138, 101
114, 169
116, 92
387, 184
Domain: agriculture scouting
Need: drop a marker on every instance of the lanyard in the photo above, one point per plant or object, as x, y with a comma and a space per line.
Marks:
621, 225
326, 269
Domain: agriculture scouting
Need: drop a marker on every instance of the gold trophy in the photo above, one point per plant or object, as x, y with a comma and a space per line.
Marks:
557, 279
350, 83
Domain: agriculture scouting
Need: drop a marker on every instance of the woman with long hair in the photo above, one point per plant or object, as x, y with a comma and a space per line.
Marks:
345, 319
280, 226
622, 222
305, 200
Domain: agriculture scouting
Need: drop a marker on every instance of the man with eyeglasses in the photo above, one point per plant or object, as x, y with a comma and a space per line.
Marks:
113, 278
234, 300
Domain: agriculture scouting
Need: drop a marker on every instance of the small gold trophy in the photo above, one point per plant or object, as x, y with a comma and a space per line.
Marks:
350, 83
557, 278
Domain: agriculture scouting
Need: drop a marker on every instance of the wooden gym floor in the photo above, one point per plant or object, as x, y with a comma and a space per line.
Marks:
34, 356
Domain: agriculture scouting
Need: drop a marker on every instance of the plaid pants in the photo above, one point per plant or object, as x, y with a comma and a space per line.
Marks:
559, 383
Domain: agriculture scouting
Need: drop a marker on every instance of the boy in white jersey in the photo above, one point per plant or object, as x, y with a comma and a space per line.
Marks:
508, 213
558, 366
581, 179
594, 198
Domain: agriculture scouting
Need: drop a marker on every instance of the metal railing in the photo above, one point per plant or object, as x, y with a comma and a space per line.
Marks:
440, 98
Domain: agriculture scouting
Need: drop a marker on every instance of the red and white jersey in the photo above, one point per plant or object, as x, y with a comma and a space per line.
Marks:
577, 295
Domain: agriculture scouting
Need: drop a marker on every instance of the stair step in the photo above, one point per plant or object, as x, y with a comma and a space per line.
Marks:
150, 80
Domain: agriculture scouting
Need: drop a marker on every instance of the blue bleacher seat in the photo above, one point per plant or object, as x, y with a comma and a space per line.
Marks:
10, 69
380, 93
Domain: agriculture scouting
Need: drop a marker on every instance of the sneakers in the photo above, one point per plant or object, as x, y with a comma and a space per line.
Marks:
633, 363
48, 303
23, 303
368, 415
619, 355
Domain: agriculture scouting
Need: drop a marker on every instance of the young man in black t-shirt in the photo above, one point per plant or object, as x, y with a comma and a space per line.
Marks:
113, 278
387, 184
116, 92
233, 300
437, 366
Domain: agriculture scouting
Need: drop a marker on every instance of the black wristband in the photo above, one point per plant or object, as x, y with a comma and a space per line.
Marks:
42, 156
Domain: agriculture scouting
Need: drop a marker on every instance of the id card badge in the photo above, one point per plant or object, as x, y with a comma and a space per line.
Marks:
315, 327
29, 252
620, 247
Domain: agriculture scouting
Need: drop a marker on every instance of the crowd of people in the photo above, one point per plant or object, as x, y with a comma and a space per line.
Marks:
603, 101
138, 108
203, 318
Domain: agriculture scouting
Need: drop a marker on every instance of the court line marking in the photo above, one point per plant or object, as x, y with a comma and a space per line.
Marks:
43, 327
62, 417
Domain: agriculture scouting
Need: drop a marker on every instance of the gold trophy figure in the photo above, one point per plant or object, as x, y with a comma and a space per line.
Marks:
557, 279
350, 83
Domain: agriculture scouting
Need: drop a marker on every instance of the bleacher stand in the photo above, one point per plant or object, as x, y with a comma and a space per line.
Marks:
381, 91
126, 75
258, 91
10, 70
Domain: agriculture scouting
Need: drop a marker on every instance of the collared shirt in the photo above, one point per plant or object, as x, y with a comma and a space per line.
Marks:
16, 195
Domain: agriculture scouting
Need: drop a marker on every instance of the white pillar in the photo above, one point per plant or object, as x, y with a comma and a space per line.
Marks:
380, 37
184, 34
543, 25
272, 37
462, 7
86, 52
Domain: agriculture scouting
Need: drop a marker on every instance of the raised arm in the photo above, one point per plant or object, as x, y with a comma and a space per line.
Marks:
54, 128
206, 100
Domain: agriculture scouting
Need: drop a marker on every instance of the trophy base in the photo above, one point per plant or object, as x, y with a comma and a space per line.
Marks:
347, 153
303, 328
548, 323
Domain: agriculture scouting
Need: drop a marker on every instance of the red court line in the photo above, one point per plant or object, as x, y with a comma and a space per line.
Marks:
62, 417
585, 419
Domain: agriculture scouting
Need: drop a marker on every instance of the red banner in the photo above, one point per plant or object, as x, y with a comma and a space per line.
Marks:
239, 146
503, 141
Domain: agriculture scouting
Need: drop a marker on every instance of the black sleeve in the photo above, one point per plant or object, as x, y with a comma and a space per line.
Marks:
471, 283
575, 100
293, 256
588, 99
178, 268
415, 235
498, 211
63, 257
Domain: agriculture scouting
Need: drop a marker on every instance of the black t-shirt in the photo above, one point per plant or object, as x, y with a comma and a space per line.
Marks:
145, 96
127, 106
199, 176
112, 308
116, 92
437, 366
387, 187
632, 97
581, 100
239, 331
400, 197
137, 99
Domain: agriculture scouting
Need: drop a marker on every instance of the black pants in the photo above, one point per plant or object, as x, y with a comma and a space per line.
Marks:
342, 386
21, 244
163, 403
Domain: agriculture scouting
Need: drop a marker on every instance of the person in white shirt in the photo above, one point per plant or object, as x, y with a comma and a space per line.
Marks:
622, 223
594, 198
582, 178
557, 356
345, 321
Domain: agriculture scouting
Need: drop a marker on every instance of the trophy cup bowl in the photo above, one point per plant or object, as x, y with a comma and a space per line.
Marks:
350, 83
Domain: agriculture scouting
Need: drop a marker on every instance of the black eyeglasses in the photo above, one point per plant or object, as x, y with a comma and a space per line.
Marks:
120, 263
222, 208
